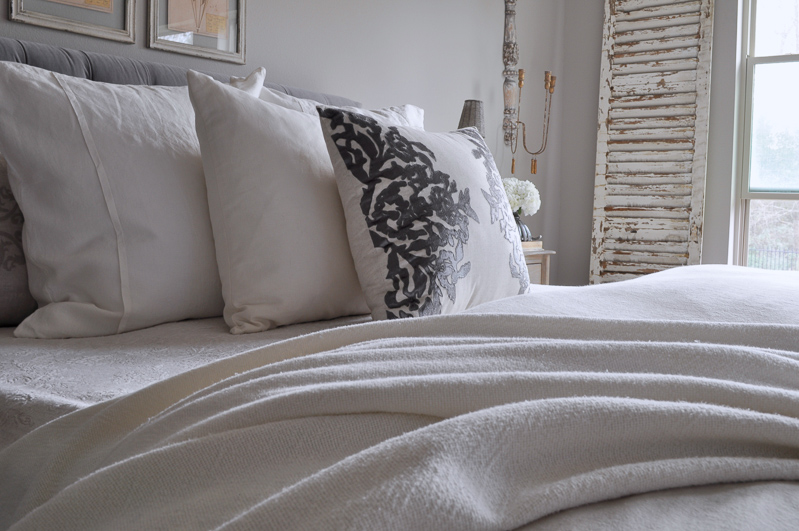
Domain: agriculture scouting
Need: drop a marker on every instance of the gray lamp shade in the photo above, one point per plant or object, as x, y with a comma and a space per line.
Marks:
473, 116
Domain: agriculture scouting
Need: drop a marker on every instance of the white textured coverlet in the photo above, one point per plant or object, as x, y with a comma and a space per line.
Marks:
43, 380
471, 421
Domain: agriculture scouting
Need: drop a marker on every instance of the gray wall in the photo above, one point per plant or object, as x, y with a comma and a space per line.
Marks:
436, 54
382, 52
582, 45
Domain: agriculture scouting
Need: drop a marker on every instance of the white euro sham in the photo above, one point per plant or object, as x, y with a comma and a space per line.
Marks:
117, 234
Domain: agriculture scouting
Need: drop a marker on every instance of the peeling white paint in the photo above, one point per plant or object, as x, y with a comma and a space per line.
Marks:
652, 137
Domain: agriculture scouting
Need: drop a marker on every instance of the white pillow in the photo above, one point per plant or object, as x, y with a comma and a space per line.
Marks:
109, 178
429, 224
407, 115
252, 84
281, 241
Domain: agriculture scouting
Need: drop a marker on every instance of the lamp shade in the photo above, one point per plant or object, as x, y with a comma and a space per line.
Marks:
473, 116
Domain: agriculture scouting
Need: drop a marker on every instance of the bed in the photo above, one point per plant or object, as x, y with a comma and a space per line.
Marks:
666, 402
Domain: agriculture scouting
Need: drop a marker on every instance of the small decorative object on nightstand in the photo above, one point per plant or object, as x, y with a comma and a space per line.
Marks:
537, 260
523, 197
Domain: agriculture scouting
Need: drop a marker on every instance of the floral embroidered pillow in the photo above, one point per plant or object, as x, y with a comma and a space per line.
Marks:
429, 225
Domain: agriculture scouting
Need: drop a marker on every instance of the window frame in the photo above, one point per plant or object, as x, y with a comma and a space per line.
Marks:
750, 62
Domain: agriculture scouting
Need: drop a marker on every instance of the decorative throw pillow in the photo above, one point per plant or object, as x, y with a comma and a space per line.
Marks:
16, 302
281, 241
110, 180
429, 224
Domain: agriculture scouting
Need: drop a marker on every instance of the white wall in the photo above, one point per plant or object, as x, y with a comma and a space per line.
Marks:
437, 53
717, 245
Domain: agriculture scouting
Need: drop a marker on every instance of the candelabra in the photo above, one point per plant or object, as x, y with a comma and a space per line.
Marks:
520, 127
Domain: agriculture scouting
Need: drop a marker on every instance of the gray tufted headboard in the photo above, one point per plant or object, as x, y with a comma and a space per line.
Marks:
122, 70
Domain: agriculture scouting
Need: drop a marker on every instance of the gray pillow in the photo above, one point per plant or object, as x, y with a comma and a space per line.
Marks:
429, 225
16, 302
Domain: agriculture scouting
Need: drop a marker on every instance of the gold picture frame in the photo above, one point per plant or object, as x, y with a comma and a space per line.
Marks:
107, 19
212, 29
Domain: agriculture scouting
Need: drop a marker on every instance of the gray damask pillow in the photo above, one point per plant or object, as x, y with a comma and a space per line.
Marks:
429, 225
16, 302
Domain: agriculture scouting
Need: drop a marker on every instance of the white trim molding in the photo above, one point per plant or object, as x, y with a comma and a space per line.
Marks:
126, 34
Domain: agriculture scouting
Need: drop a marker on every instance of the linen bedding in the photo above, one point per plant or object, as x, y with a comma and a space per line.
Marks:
43, 380
669, 402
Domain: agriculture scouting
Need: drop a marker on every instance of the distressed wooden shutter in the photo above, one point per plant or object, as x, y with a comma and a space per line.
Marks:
652, 137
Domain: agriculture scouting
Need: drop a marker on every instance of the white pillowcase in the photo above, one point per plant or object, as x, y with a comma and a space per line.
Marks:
407, 115
109, 178
251, 84
279, 228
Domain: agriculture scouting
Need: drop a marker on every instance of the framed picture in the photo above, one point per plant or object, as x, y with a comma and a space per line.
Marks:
107, 19
213, 29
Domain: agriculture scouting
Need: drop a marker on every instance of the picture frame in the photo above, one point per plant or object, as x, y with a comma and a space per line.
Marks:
211, 29
107, 19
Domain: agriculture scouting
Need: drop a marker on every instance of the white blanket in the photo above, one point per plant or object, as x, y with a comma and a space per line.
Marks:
491, 419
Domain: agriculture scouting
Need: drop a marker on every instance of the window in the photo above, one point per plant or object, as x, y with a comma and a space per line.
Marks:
770, 183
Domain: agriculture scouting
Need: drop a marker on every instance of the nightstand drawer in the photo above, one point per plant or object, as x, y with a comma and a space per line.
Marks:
537, 261
534, 270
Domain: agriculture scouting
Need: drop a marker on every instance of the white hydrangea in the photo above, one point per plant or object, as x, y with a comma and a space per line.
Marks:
522, 195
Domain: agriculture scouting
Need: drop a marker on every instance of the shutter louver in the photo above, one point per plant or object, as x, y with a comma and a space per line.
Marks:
652, 137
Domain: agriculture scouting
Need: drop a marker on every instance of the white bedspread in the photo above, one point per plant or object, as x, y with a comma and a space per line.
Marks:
491, 419
42, 379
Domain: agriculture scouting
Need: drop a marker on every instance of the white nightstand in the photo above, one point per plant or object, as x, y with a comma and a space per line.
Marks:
538, 265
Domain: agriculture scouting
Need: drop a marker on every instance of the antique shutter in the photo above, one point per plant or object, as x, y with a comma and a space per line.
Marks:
652, 137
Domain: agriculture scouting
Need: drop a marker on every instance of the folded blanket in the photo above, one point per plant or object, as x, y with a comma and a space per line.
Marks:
472, 421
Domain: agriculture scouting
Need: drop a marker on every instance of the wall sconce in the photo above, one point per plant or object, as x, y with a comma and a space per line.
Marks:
549, 87
512, 93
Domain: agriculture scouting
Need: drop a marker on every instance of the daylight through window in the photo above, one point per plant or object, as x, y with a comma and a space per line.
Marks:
770, 191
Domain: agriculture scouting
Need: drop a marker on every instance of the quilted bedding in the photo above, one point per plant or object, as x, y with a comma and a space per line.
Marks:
41, 380
564, 409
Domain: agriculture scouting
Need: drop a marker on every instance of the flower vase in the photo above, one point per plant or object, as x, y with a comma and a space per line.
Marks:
524, 231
